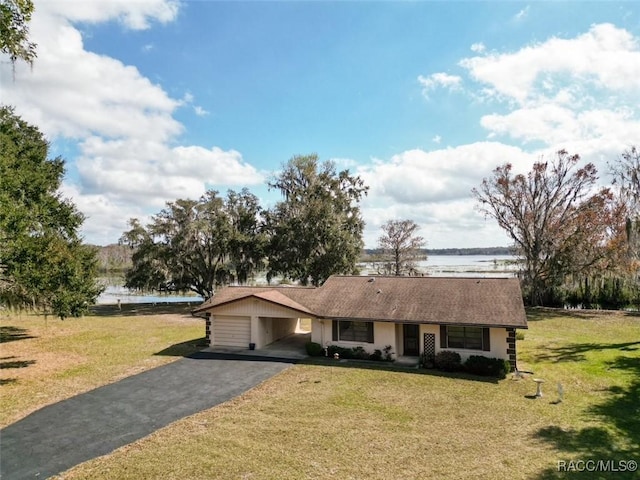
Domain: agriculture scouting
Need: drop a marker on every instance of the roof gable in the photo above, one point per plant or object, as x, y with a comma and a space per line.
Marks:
273, 295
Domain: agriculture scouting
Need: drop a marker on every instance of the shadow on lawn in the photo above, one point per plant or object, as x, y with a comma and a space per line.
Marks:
13, 334
621, 410
184, 349
535, 314
8, 363
15, 363
390, 367
576, 351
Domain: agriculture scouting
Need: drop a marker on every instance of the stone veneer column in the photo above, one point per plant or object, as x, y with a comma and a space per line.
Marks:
207, 330
511, 347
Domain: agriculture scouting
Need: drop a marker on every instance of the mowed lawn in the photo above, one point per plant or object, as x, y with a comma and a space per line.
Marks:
349, 422
43, 360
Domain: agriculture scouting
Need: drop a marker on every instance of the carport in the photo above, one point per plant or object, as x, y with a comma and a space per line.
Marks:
254, 321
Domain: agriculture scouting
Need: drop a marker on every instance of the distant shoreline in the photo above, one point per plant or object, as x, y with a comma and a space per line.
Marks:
457, 251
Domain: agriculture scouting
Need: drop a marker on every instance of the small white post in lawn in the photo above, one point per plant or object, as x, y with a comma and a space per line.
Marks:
539, 381
560, 392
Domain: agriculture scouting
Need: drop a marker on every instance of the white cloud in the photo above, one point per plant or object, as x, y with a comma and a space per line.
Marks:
106, 217
605, 57
137, 176
579, 93
134, 169
439, 80
445, 224
557, 126
437, 139
136, 15
93, 93
522, 14
418, 176
199, 111
187, 98
478, 47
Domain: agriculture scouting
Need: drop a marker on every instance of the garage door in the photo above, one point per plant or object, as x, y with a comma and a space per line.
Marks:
232, 331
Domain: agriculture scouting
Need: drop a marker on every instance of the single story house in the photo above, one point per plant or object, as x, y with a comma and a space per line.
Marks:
414, 315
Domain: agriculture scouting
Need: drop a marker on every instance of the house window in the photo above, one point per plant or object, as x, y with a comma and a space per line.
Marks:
348, 331
468, 338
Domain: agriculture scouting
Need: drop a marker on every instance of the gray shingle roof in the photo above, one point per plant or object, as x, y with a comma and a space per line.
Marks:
438, 300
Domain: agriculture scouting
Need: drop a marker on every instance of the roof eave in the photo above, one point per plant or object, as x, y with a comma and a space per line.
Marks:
423, 322
245, 297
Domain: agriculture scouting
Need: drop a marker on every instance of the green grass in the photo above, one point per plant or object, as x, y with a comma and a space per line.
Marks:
330, 421
43, 360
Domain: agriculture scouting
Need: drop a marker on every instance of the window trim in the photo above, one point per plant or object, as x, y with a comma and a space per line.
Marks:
336, 330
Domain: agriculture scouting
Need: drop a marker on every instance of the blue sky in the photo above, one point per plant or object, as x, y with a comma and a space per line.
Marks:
149, 101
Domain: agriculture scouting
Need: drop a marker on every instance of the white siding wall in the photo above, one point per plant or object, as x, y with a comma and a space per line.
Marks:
229, 331
318, 334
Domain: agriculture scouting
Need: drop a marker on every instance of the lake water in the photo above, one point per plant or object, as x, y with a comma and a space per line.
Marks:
114, 292
470, 265
435, 265
463, 266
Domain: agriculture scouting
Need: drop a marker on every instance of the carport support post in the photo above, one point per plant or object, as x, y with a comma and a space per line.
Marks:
255, 332
511, 347
207, 329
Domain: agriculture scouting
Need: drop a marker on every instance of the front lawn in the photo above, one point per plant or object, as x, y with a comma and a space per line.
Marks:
315, 421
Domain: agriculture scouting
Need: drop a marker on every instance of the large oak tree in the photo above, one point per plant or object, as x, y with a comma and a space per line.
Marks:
197, 245
316, 230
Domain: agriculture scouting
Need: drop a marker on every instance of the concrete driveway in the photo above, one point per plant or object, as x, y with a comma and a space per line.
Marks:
92, 424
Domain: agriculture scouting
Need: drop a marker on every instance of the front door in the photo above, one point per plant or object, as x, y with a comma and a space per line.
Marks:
410, 336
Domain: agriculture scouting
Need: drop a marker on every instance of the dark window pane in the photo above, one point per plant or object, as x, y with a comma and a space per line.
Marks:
464, 337
473, 338
356, 331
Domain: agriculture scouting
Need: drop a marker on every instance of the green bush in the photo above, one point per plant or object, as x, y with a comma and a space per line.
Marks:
488, 367
313, 349
376, 355
448, 361
343, 352
388, 353
360, 353
427, 361
519, 335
